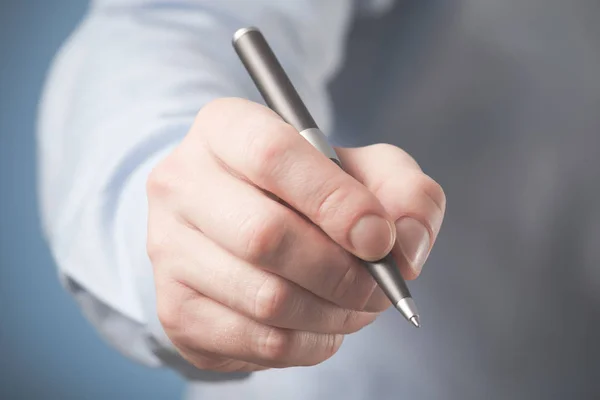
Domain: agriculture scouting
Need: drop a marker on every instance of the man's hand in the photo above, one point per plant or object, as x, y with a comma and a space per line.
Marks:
251, 232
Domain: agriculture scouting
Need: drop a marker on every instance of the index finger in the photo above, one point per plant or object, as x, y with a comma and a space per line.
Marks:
255, 143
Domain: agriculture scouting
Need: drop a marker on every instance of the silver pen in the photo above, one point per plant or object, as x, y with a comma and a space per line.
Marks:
281, 96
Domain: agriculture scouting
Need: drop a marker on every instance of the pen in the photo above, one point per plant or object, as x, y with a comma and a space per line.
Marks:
281, 96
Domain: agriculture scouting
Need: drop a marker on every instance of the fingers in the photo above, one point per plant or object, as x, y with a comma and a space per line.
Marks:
260, 295
242, 220
205, 360
273, 156
414, 200
244, 282
199, 324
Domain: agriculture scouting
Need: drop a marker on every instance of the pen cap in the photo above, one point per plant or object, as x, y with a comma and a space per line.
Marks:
270, 78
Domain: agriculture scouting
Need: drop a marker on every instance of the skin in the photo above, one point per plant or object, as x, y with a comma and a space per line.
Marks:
250, 236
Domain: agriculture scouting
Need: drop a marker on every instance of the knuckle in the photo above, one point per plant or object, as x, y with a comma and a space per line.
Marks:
214, 105
433, 190
163, 180
156, 244
218, 364
347, 281
154, 249
389, 151
271, 300
377, 302
349, 324
354, 287
263, 237
355, 321
236, 116
269, 144
215, 117
217, 106
276, 345
382, 148
204, 363
334, 341
179, 313
329, 344
211, 363
156, 182
169, 314
330, 201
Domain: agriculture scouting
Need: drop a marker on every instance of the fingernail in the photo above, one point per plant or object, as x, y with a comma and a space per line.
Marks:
414, 242
372, 237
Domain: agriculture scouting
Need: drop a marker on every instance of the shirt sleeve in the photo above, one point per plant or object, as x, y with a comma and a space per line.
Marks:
121, 93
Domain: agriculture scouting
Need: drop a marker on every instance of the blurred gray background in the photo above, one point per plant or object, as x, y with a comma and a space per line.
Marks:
47, 349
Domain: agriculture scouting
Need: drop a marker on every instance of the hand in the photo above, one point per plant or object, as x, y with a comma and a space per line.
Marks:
243, 281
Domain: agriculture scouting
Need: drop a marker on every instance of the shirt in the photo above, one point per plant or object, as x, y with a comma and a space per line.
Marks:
496, 100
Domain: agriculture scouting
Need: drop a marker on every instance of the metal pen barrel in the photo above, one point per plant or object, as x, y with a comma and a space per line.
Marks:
270, 79
281, 96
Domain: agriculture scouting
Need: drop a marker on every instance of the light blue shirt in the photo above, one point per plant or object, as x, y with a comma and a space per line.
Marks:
497, 100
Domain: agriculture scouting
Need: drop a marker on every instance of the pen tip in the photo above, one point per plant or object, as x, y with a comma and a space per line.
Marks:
415, 321
407, 307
